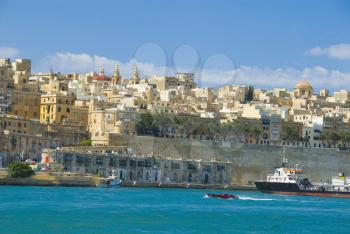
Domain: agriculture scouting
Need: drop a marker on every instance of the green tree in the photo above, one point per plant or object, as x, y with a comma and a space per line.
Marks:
292, 133
145, 124
325, 136
19, 170
346, 137
86, 142
334, 137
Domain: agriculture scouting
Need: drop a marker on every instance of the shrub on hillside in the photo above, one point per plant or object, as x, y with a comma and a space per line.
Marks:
19, 170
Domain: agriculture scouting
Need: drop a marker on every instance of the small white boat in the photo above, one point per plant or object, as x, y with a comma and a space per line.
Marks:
111, 181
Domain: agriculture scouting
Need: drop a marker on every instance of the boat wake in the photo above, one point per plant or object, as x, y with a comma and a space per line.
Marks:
246, 198
255, 199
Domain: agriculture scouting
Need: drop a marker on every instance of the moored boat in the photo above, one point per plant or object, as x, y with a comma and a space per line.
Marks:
111, 181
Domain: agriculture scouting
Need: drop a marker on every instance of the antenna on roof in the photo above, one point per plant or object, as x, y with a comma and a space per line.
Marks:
285, 160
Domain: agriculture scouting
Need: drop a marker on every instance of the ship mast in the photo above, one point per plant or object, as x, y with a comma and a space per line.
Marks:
285, 160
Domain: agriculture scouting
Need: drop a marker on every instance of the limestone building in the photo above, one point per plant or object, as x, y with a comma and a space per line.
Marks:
6, 85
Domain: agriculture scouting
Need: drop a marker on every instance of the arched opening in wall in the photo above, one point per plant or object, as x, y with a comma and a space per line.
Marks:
189, 178
139, 176
206, 179
121, 175
221, 178
175, 177
156, 176
130, 175
147, 175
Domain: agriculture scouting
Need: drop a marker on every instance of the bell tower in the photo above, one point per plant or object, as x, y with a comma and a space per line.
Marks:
135, 78
116, 76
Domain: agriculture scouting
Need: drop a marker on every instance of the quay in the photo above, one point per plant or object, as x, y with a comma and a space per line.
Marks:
52, 179
80, 180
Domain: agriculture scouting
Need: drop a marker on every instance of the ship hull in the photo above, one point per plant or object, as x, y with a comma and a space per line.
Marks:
293, 189
269, 187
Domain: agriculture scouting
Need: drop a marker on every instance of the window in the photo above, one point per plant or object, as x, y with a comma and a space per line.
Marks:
68, 110
123, 163
132, 163
59, 109
141, 163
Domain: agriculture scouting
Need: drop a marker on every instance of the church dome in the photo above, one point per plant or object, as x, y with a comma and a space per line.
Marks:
101, 76
303, 84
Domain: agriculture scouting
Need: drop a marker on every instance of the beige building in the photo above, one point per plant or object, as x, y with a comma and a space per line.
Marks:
231, 92
26, 104
61, 109
341, 96
186, 80
104, 123
26, 95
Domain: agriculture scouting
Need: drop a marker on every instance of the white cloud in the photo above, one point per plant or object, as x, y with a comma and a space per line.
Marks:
82, 63
340, 51
265, 77
8, 52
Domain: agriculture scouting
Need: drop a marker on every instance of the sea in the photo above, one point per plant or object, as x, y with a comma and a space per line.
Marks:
151, 210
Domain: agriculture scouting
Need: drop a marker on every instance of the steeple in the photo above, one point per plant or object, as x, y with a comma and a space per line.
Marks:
102, 71
116, 75
135, 79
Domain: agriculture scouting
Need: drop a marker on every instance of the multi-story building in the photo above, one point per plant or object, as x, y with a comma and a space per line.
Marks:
6, 85
185, 80
59, 108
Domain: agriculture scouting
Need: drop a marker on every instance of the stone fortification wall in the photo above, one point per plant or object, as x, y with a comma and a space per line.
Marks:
249, 162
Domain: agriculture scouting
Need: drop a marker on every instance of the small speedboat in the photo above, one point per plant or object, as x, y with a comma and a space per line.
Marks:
222, 196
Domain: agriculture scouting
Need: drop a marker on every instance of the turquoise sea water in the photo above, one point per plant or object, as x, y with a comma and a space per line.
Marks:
137, 210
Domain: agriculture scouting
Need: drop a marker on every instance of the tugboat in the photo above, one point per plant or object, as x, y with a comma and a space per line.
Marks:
222, 196
286, 181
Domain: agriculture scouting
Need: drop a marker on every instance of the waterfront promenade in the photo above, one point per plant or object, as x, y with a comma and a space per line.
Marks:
74, 180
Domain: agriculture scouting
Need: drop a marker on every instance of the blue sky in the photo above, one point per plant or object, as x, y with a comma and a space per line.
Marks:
262, 38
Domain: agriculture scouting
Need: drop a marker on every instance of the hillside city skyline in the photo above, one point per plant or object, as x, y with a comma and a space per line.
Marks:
269, 45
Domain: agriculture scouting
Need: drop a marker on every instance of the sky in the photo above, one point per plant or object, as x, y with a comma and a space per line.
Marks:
263, 43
